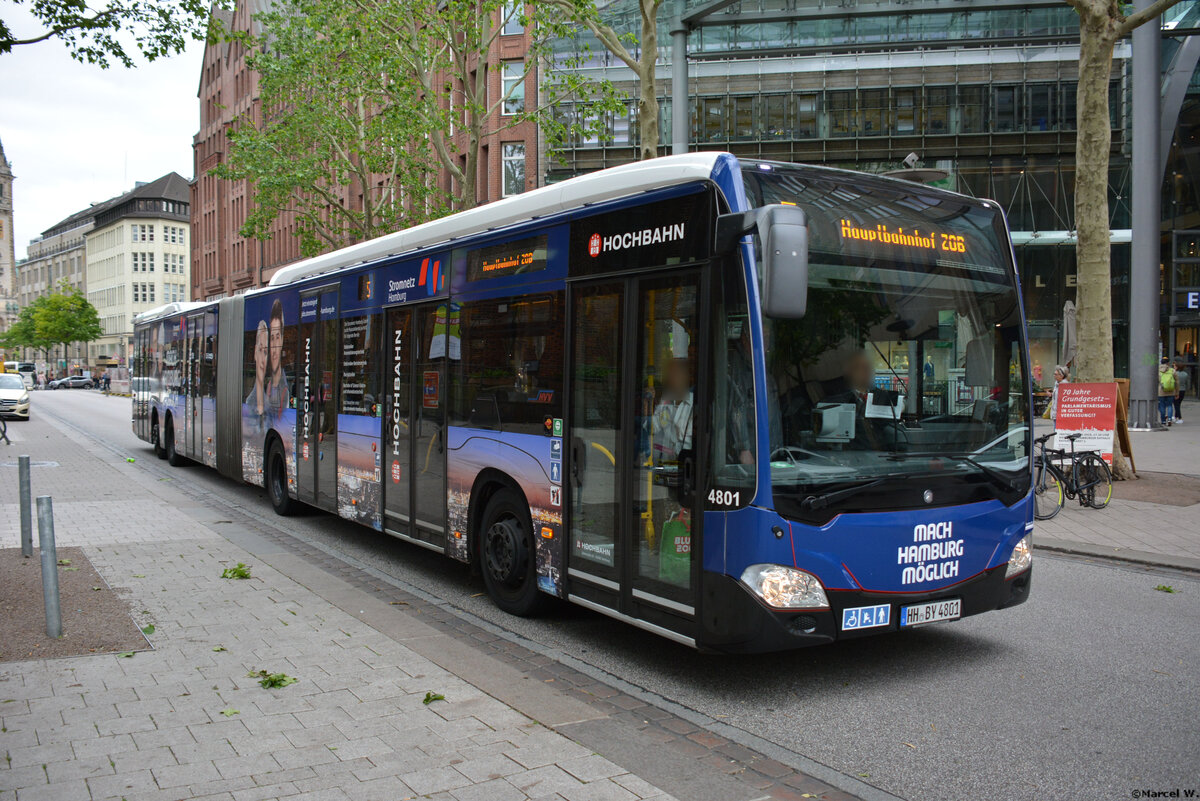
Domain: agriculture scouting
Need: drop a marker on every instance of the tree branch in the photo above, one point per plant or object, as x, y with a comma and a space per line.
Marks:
1138, 18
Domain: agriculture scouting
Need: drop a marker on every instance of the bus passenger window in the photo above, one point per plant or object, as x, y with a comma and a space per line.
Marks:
510, 375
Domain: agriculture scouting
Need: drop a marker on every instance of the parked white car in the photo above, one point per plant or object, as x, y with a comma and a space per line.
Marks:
14, 397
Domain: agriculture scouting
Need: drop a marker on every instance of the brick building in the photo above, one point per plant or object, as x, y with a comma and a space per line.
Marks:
226, 263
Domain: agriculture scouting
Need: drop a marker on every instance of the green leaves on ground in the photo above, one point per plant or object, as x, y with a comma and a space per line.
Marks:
230, 712
218, 648
64, 562
240, 571
431, 697
271, 681
148, 629
125, 655
1165, 588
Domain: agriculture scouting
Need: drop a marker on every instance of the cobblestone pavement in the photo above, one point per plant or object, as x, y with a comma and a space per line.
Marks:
1139, 530
186, 720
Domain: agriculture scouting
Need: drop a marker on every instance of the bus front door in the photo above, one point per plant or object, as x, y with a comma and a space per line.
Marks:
633, 437
414, 470
316, 407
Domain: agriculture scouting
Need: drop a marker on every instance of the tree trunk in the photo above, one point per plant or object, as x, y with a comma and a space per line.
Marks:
647, 83
1094, 358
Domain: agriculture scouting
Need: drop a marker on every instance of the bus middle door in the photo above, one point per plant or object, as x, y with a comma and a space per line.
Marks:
414, 468
316, 412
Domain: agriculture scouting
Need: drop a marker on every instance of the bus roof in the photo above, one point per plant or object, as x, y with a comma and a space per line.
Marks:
615, 182
169, 310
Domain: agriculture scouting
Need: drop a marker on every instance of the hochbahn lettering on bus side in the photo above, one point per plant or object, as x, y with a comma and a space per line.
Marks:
635, 239
936, 545
397, 385
307, 400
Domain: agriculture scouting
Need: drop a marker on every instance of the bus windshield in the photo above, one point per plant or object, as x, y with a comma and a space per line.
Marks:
910, 360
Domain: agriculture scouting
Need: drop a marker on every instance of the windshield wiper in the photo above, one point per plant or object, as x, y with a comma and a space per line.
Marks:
815, 502
995, 475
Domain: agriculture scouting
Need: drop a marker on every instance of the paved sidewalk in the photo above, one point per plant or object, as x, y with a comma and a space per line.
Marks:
185, 720
1140, 531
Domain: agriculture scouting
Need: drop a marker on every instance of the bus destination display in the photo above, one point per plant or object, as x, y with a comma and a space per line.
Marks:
509, 258
913, 239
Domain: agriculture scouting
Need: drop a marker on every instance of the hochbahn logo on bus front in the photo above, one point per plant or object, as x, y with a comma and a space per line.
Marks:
636, 239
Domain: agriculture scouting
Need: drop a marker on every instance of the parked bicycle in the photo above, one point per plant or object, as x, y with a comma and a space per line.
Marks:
1088, 478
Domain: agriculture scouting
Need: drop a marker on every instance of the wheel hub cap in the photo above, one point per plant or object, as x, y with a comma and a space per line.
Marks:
505, 551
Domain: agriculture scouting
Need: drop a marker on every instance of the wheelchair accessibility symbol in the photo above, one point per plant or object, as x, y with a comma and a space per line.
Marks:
866, 617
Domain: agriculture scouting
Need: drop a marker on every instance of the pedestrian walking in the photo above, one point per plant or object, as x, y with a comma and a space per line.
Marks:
1061, 376
1166, 392
1183, 382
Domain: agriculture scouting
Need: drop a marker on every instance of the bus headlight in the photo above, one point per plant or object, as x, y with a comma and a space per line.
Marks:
785, 587
1022, 556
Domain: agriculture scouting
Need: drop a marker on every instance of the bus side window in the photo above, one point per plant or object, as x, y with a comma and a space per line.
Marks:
510, 375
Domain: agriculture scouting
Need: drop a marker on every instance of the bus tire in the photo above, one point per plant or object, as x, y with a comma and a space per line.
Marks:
174, 457
507, 557
275, 482
156, 439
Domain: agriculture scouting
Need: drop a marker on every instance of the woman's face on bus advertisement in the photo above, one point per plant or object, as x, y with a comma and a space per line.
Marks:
261, 348
276, 345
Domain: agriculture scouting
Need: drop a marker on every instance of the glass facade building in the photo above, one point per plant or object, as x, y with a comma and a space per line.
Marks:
982, 92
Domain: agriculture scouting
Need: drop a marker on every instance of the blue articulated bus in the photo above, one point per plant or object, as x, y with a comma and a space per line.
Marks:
745, 405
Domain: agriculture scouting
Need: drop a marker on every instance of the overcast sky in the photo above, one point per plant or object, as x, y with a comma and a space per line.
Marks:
76, 134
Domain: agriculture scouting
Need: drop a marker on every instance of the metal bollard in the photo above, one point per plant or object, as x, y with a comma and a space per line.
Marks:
26, 507
45, 508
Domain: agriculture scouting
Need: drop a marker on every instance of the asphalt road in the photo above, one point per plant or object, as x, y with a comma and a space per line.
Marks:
1091, 690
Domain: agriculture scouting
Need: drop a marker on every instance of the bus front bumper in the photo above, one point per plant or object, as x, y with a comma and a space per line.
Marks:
735, 621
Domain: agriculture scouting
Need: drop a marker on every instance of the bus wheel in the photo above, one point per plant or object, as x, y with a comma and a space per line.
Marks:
174, 458
156, 440
276, 481
507, 556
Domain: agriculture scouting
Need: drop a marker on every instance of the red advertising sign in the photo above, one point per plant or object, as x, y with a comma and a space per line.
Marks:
1089, 410
431, 394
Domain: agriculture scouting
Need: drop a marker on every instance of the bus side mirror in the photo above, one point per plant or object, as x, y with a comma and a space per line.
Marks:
783, 233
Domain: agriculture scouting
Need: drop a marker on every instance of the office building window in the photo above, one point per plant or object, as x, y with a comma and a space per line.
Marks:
806, 116
1008, 108
512, 78
514, 168
743, 118
938, 102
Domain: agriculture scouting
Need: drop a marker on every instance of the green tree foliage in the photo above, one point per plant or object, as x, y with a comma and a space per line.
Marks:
22, 333
61, 317
638, 52
335, 115
444, 48
116, 30
381, 96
